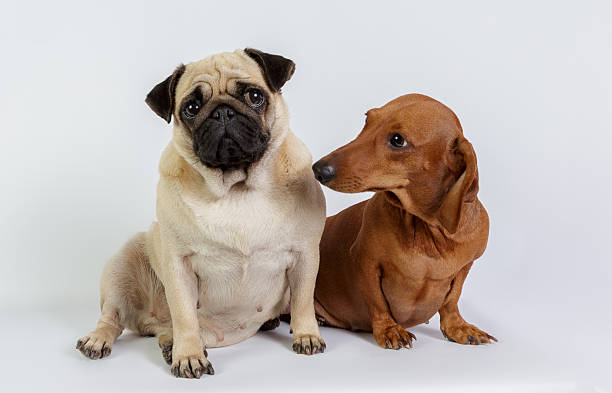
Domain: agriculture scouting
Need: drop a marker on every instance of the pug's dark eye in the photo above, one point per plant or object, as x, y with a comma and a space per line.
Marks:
191, 108
254, 98
397, 141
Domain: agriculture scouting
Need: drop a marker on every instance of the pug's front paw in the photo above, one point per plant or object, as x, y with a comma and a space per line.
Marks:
166, 347
191, 366
308, 344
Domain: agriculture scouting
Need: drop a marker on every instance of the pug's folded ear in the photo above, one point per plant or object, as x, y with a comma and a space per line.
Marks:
276, 69
161, 98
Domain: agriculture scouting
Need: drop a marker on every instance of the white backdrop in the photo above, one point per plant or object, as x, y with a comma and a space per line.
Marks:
530, 82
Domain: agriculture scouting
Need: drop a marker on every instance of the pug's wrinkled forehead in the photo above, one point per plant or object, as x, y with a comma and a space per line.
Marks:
224, 74
218, 74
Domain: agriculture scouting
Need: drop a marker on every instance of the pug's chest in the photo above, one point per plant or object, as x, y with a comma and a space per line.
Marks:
241, 252
226, 274
242, 246
246, 225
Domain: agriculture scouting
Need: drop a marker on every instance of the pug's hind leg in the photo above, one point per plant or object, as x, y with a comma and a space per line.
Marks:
165, 344
270, 325
99, 343
121, 296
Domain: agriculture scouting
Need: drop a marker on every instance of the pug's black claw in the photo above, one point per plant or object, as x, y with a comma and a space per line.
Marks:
210, 370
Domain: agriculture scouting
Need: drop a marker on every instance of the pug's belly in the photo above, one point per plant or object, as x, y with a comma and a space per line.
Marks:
413, 303
239, 293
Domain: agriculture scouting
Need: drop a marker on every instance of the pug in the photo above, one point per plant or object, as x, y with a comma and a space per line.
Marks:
239, 219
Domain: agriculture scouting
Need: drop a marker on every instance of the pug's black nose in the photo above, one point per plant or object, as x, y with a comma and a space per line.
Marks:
223, 113
323, 172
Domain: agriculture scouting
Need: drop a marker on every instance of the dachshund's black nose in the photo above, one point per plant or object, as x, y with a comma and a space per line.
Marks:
323, 172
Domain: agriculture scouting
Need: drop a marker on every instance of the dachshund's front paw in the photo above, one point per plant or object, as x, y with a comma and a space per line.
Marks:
393, 337
466, 334
308, 344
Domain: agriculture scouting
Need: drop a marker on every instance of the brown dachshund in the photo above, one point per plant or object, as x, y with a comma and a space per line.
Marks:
393, 261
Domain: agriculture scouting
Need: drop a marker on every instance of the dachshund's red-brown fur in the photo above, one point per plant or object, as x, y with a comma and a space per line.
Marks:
393, 261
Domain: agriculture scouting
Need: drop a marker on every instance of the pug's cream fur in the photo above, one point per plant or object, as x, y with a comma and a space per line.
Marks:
230, 249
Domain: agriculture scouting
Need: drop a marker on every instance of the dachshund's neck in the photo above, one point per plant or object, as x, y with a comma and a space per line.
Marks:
414, 222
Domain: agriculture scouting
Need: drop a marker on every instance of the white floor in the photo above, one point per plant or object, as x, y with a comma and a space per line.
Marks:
39, 355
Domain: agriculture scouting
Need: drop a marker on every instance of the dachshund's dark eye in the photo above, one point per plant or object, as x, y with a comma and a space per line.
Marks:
254, 98
191, 108
397, 141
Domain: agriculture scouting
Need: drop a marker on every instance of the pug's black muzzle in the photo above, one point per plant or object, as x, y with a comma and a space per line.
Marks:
228, 139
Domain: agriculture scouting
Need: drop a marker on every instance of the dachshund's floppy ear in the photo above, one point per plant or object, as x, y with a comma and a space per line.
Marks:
465, 188
276, 69
161, 98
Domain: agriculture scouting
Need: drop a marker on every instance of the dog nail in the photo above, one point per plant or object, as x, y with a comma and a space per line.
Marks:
473, 340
